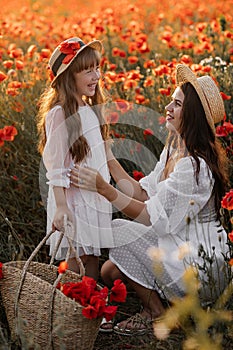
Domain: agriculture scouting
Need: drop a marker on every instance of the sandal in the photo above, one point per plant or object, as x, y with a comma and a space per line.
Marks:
106, 326
135, 325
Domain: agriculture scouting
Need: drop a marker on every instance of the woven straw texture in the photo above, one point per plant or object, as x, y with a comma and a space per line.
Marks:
69, 330
207, 91
39, 315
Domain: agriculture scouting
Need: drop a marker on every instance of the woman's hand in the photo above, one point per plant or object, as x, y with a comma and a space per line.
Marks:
108, 149
62, 216
87, 179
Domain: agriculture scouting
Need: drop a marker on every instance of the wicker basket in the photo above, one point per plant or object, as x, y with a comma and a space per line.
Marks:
39, 315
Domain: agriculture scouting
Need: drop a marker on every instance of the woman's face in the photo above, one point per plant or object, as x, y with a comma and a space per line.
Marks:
173, 110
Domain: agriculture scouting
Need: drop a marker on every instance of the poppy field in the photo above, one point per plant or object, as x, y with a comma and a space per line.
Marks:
143, 42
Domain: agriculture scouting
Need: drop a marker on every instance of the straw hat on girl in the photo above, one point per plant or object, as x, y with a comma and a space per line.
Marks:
66, 52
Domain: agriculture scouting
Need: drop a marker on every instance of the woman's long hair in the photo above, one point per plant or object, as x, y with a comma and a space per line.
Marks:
200, 141
63, 93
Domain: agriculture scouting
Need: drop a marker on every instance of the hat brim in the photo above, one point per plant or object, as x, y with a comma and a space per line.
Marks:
185, 75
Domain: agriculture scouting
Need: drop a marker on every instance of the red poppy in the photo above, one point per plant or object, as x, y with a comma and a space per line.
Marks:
118, 292
110, 312
132, 59
98, 303
165, 91
8, 133
227, 201
221, 131
122, 105
3, 76
1, 274
69, 49
90, 312
224, 96
63, 266
137, 175
148, 132
161, 120
230, 236
113, 118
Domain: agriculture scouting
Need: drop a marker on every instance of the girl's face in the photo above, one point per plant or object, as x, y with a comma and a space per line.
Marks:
86, 82
173, 110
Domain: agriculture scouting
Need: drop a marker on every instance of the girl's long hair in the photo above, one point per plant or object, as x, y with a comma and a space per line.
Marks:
63, 93
200, 141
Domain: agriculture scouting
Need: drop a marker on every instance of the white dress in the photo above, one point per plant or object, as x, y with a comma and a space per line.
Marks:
183, 219
92, 213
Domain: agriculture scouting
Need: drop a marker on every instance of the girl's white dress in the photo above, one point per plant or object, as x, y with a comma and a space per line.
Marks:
92, 213
184, 228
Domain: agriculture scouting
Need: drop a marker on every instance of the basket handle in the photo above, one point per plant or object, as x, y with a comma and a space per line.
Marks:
26, 265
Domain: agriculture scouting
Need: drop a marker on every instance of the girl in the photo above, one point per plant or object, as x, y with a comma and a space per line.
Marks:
72, 130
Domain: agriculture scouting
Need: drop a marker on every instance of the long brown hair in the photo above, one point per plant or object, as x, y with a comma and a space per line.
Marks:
63, 93
201, 141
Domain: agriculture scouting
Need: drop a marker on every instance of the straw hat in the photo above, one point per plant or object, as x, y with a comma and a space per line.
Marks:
207, 91
66, 52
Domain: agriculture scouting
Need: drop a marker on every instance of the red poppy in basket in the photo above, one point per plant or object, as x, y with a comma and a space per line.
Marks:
93, 299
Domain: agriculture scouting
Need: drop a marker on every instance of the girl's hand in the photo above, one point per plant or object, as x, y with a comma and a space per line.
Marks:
87, 179
59, 218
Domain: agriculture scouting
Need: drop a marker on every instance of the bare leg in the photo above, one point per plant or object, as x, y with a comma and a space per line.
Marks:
152, 305
91, 264
110, 273
73, 265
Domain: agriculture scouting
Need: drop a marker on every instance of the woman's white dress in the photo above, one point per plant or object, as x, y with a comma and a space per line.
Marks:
92, 213
183, 221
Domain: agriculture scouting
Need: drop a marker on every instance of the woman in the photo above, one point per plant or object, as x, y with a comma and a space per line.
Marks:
175, 208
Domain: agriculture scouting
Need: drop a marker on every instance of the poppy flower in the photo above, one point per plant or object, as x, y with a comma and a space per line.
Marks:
90, 312
230, 236
110, 312
122, 105
148, 132
1, 274
3, 76
221, 131
93, 299
132, 59
113, 118
227, 201
137, 175
118, 292
69, 49
9, 133
63, 266
224, 96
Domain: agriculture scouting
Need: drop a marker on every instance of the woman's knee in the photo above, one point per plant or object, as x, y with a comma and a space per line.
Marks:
110, 272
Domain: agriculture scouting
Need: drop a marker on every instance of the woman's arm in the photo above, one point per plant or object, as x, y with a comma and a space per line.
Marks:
126, 183
91, 180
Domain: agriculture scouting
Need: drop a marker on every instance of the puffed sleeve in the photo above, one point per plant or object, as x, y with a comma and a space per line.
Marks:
56, 154
180, 196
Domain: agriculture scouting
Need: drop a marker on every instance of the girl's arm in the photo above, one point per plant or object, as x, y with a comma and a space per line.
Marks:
62, 209
126, 183
91, 180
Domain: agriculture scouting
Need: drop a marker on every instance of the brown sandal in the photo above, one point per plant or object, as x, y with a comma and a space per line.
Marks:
135, 325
